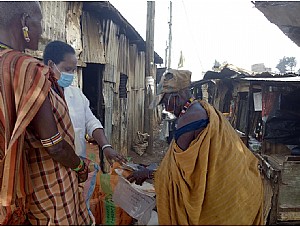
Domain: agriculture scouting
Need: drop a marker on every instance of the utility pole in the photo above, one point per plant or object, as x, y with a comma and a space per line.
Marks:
170, 36
166, 54
149, 73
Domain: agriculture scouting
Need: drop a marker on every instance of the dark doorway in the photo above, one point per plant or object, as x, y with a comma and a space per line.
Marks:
242, 111
92, 88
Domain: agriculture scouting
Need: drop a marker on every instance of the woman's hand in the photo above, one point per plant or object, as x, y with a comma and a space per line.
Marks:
111, 155
139, 176
83, 173
82, 177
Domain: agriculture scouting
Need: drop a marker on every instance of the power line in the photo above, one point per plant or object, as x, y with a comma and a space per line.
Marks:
192, 34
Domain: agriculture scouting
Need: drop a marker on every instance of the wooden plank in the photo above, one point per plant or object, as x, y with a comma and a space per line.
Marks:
131, 95
289, 192
116, 122
93, 47
111, 50
78, 78
268, 195
108, 100
123, 127
271, 178
289, 216
73, 27
54, 22
272, 149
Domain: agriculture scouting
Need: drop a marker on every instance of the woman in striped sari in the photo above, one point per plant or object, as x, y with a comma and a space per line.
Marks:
39, 170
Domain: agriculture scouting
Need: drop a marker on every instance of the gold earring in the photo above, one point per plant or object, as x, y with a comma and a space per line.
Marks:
25, 34
25, 28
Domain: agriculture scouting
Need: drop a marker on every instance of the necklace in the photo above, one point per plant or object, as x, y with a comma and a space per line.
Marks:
4, 46
186, 106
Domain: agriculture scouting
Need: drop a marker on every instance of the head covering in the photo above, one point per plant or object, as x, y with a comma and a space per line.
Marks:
172, 81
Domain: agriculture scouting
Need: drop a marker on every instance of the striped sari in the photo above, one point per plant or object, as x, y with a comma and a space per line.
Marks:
33, 184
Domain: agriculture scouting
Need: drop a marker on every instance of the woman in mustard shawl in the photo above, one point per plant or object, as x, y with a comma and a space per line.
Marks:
208, 176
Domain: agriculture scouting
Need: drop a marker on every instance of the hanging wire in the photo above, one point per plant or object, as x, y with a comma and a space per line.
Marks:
192, 34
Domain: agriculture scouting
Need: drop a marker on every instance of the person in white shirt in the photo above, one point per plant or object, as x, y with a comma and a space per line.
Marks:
61, 58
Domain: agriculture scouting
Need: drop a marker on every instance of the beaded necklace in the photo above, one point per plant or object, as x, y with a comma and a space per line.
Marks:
4, 46
186, 106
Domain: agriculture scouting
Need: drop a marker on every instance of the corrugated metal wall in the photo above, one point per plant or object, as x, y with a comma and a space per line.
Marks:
98, 41
123, 116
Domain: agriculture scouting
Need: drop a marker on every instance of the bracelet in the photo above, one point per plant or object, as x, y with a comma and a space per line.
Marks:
52, 140
150, 175
79, 167
85, 169
105, 146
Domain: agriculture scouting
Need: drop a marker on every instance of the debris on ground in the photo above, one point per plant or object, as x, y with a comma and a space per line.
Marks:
159, 149
140, 143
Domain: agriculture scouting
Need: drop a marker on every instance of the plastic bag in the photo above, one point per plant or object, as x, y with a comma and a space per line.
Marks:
136, 204
89, 185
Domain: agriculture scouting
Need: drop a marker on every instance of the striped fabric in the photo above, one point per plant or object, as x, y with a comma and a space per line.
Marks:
19, 102
214, 182
31, 182
57, 199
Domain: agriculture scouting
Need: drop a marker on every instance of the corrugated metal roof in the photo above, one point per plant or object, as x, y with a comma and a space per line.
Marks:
231, 72
106, 10
274, 79
284, 14
227, 71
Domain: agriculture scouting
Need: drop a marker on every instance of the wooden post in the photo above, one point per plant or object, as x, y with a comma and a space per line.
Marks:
166, 55
149, 73
248, 123
170, 37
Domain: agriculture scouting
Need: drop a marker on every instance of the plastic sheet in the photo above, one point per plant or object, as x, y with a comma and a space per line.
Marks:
283, 127
89, 185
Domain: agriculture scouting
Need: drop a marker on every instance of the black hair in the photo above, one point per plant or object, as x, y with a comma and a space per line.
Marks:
56, 51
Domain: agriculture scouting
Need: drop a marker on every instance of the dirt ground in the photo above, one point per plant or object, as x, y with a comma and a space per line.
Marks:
159, 149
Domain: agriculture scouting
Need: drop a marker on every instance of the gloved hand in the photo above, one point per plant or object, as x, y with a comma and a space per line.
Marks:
139, 176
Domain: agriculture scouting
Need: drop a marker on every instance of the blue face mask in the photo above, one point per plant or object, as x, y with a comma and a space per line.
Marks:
65, 79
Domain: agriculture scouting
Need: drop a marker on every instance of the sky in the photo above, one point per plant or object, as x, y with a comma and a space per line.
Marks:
232, 31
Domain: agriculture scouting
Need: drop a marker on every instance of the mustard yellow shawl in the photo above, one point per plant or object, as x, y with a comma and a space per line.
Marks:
214, 182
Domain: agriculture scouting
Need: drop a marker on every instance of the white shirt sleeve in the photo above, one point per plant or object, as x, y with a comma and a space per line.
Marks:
91, 122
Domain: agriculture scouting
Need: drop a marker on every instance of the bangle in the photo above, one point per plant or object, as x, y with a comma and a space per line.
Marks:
85, 168
52, 140
105, 146
79, 167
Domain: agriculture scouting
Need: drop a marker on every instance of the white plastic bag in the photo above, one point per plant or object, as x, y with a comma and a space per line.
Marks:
136, 204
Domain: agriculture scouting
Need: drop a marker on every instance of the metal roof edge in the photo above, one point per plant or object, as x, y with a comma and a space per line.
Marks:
127, 29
